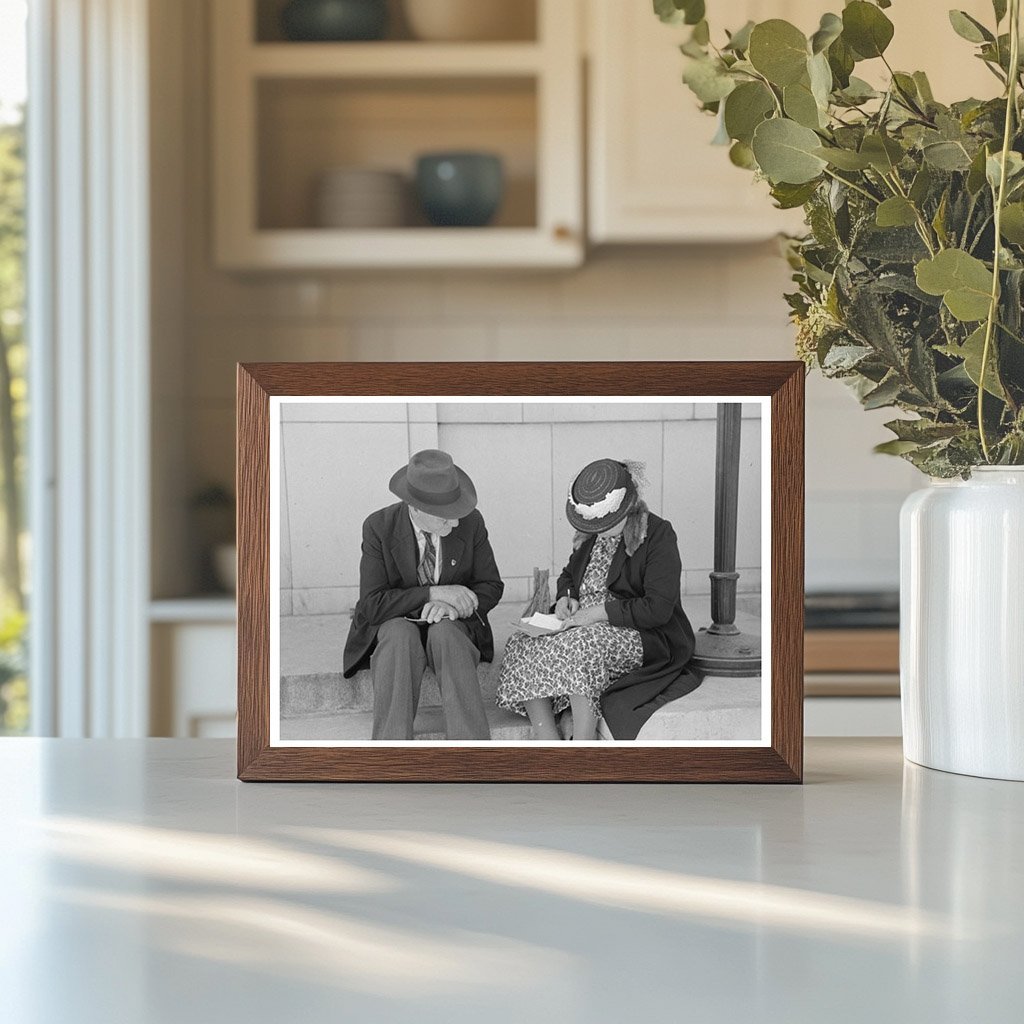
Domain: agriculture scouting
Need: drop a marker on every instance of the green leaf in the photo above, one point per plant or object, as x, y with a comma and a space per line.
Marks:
896, 212
947, 156
858, 91
745, 108
923, 431
883, 153
969, 28
778, 50
895, 447
739, 41
789, 197
1012, 224
708, 81
971, 352
841, 60
785, 152
676, 12
924, 88
994, 167
742, 155
820, 76
885, 394
976, 175
963, 281
830, 29
701, 33
939, 220
844, 159
999, 6
866, 29
800, 105
921, 186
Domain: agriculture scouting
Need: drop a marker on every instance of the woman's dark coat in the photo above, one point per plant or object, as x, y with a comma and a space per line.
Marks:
644, 590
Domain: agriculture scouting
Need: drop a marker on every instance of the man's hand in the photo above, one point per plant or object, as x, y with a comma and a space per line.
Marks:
435, 611
462, 599
566, 607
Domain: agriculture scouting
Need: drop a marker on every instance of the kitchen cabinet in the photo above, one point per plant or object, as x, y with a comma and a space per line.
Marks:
192, 649
287, 113
653, 175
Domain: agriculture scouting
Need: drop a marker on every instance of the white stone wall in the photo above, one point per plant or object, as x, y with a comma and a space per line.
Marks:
337, 459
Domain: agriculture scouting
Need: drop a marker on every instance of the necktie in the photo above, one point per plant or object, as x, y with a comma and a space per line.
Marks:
428, 562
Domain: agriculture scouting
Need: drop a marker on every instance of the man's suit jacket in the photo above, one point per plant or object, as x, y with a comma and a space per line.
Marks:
389, 587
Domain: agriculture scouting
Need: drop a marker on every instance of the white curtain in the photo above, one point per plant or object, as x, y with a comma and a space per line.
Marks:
88, 318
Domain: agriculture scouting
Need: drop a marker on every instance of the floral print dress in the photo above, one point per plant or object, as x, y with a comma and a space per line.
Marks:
583, 660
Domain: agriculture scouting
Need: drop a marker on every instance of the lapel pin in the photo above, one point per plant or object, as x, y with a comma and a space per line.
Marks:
453, 561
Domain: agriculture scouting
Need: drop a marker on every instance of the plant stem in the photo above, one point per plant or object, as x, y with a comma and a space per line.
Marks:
850, 184
922, 225
993, 309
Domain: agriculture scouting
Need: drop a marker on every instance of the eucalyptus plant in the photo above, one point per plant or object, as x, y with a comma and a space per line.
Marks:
910, 278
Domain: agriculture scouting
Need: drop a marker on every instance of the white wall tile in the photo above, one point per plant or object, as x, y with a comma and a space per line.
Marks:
337, 475
422, 436
403, 341
555, 341
601, 412
499, 297
645, 285
422, 412
510, 465
479, 412
410, 296
344, 412
285, 538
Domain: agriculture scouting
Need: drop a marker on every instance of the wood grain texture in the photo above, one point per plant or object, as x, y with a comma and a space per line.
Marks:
781, 762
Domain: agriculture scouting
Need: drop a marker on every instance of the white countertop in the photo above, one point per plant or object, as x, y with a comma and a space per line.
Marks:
142, 884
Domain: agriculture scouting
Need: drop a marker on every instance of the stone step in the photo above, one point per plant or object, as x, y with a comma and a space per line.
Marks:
719, 707
320, 693
358, 725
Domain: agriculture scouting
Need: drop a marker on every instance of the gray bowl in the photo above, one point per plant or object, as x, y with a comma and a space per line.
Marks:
334, 20
460, 189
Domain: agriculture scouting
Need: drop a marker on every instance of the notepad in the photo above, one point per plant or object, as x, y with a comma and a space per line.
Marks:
539, 624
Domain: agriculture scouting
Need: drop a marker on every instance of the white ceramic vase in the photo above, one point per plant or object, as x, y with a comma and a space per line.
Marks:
962, 624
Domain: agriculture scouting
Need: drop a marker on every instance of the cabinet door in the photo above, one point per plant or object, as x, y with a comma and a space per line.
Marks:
653, 174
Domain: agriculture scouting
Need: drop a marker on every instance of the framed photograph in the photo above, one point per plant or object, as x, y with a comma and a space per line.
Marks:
517, 572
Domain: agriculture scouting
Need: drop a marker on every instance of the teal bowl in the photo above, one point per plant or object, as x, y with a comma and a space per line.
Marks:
462, 190
334, 21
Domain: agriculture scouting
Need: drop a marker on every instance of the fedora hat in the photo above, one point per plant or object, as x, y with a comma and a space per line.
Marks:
601, 496
433, 484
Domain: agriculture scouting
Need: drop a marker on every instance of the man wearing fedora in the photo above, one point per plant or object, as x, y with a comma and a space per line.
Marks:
427, 579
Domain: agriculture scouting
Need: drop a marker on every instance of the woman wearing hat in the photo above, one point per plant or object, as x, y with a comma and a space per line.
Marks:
626, 640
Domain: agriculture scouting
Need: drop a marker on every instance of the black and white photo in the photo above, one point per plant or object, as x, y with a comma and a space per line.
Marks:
515, 571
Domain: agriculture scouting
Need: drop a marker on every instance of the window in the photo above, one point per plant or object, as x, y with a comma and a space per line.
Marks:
14, 548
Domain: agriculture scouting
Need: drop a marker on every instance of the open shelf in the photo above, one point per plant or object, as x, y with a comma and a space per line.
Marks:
393, 60
306, 128
519, 17
286, 114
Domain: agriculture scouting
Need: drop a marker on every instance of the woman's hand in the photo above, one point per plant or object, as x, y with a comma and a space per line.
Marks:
587, 617
566, 607
435, 611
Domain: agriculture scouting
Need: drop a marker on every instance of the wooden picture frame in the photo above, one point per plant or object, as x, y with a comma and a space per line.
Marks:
779, 759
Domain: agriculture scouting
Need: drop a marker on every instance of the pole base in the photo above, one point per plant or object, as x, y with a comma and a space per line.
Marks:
736, 656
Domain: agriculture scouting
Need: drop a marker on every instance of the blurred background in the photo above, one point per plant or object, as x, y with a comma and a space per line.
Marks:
252, 180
